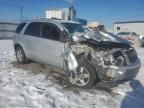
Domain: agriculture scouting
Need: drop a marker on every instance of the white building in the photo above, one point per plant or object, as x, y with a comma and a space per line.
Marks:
54, 14
130, 26
61, 13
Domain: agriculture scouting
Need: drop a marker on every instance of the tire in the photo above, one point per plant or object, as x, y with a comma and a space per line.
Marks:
136, 42
20, 55
142, 42
92, 75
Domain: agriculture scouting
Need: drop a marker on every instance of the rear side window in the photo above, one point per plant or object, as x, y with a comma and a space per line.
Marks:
33, 29
50, 31
20, 27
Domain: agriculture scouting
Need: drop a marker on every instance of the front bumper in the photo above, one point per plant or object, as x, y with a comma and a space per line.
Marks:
123, 73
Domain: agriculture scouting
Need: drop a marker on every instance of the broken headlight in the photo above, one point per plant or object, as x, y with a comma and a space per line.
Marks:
116, 59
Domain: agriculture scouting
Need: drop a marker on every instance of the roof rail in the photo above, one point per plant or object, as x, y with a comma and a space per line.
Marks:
55, 18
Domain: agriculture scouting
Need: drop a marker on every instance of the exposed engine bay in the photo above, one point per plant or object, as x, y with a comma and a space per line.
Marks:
104, 57
110, 57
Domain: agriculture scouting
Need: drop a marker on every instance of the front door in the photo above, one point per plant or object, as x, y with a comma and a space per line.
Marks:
50, 48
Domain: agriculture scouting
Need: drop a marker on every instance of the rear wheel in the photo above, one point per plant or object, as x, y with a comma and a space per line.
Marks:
20, 55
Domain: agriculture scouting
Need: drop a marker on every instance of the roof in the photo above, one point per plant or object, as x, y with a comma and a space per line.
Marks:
129, 22
50, 20
54, 21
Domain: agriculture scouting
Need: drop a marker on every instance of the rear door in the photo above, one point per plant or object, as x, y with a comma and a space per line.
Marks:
18, 34
31, 39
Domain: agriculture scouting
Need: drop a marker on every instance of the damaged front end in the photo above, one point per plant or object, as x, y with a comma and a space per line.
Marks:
111, 60
116, 64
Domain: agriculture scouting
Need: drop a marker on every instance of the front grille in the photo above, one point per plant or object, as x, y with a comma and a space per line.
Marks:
132, 55
131, 73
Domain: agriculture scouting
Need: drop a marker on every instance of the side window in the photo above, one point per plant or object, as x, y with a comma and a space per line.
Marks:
33, 29
20, 27
50, 31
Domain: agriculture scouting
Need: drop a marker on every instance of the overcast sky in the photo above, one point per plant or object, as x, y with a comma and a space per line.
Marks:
106, 11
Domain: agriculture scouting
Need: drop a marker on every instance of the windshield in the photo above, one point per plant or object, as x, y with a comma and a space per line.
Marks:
73, 27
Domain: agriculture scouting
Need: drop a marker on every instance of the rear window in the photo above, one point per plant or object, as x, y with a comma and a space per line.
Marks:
33, 29
20, 27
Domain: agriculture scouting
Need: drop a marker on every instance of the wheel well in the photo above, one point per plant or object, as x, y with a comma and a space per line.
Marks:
16, 45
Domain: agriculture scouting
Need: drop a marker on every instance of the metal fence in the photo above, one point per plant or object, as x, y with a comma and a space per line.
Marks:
7, 29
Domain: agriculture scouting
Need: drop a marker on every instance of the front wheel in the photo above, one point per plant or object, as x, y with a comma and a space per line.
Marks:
85, 76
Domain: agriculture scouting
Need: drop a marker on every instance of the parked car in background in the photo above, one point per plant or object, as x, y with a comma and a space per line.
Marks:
141, 37
86, 56
130, 36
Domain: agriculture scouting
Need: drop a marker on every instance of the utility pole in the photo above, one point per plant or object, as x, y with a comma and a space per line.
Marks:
21, 13
71, 9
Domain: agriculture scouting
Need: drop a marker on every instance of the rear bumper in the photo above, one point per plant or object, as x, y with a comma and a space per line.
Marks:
123, 73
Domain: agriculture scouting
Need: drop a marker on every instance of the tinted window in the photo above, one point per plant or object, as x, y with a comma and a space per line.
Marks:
20, 27
50, 31
33, 29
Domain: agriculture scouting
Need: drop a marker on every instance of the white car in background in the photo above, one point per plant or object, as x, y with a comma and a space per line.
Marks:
141, 37
130, 36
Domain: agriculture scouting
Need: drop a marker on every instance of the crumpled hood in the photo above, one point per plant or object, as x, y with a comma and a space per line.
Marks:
99, 36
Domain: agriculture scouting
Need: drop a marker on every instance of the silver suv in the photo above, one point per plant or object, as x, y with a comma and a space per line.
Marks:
87, 57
